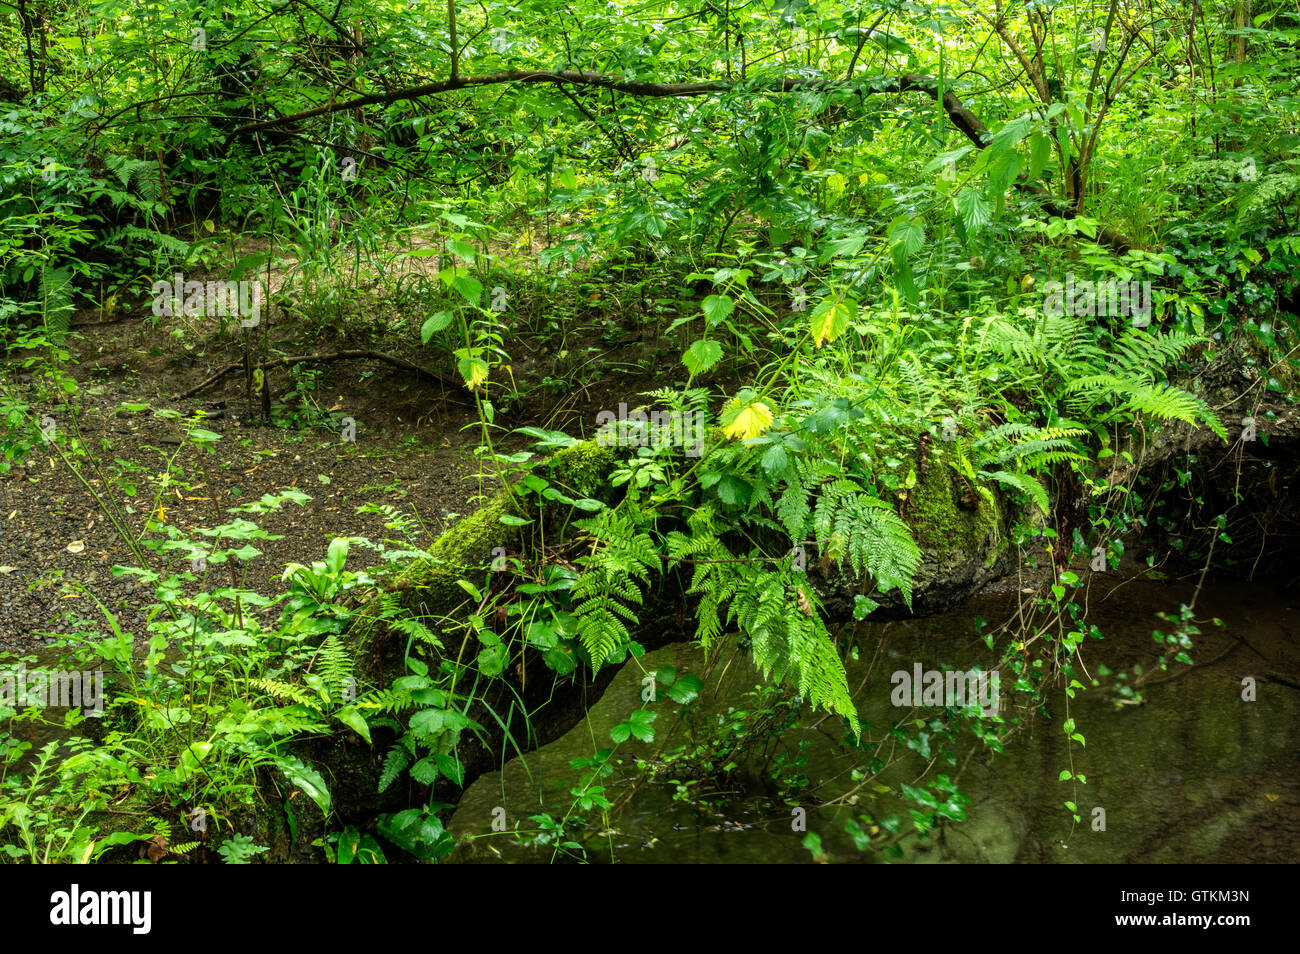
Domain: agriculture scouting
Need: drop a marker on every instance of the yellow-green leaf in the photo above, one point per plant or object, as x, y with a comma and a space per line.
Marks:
746, 420
831, 318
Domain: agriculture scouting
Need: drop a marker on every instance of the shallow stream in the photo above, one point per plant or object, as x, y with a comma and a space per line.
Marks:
1194, 773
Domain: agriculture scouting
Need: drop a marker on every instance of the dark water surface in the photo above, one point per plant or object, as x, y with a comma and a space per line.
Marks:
1192, 774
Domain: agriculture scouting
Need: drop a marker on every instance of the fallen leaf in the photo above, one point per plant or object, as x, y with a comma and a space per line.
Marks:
157, 848
805, 606
76, 546
7, 569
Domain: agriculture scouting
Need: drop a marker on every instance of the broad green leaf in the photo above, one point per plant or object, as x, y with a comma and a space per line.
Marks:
470, 288
701, 356
910, 235
1040, 153
354, 720
831, 318
434, 324
687, 689
307, 779
716, 308
974, 209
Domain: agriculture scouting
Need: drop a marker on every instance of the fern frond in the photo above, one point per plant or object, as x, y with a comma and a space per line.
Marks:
54, 291
1031, 487
283, 691
396, 760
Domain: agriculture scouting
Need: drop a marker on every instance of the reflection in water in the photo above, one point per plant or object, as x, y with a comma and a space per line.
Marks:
1193, 774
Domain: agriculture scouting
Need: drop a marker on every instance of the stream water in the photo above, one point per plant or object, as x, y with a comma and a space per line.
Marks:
1195, 773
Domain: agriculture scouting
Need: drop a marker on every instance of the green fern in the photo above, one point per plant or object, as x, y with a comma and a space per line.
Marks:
54, 296
335, 667
1031, 487
622, 557
283, 691
141, 173
394, 763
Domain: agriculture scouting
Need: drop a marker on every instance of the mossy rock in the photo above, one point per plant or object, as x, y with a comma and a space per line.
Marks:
431, 590
964, 545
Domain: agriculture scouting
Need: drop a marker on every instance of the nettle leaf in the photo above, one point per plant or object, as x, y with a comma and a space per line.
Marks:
909, 235
974, 210
425, 771
462, 249
434, 324
470, 288
473, 370
1040, 153
831, 318
733, 491
701, 356
451, 767
716, 308
774, 459
428, 723
745, 417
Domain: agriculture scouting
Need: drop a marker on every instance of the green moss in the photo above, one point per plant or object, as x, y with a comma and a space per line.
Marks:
582, 468
430, 588
942, 526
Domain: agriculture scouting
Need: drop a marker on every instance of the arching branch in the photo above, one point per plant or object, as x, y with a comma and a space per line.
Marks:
966, 122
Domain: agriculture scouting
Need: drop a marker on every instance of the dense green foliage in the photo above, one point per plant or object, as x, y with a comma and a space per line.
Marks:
846, 220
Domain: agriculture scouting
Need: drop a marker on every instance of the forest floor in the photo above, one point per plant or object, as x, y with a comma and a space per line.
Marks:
413, 449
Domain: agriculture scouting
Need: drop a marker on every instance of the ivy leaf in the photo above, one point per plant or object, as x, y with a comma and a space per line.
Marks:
701, 356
